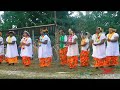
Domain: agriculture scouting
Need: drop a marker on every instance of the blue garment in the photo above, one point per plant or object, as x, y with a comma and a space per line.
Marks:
19, 50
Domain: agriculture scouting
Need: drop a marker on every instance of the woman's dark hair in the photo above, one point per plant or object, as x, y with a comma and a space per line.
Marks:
74, 31
44, 28
86, 33
63, 31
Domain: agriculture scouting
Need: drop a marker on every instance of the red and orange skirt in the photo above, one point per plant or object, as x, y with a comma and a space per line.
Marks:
112, 61
45, 62
26, 60
99, 62
84, 58
63, 56
1, 58
13, 60
72, 61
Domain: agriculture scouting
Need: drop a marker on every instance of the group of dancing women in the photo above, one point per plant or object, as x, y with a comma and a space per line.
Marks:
105, 49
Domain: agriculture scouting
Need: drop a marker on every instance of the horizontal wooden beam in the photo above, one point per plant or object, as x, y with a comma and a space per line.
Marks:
30, 27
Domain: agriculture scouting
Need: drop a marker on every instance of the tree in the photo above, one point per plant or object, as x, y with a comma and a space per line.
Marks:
32, 18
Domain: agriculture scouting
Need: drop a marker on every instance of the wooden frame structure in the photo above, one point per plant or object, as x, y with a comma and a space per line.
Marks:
33, 30
34, 34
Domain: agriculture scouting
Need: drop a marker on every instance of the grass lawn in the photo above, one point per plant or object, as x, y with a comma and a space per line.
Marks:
56, 71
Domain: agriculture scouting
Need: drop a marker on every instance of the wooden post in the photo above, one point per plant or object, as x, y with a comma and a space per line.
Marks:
56, 36
33, 36
33, 42
55, 17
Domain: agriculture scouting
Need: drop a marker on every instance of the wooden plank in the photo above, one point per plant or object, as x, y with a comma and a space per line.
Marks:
33, 43
32, 27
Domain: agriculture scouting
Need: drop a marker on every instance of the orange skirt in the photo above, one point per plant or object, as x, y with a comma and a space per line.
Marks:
99, 62
6, 59
63, 56
112, 60
45, 62
12, 60
26, 60
1, 58
73, 61
84, 58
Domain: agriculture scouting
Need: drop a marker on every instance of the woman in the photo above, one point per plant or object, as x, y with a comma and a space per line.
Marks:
98, 45
63, 48
1, 48
84, 55
45, 49
11, 51
73, 50
6, 60
26, 48
112, 50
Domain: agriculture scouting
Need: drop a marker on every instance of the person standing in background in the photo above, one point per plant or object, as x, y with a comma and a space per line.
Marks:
63, 48
84, 54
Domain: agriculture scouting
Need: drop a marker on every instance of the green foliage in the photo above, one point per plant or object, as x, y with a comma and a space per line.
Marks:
82, 22
32, 18
90, 21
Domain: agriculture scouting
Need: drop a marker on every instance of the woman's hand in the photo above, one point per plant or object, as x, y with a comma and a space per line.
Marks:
108, 40
69, 43
23, 43
95, 44
87, 48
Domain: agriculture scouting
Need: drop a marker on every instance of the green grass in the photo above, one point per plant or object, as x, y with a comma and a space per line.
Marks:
19, 71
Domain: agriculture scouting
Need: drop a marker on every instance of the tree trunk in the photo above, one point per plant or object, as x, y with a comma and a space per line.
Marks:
57, 36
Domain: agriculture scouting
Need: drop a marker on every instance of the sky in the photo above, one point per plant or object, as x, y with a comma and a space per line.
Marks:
76, 13
1, 12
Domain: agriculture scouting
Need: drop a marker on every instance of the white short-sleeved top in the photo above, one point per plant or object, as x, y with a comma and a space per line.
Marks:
45, 50
27, 51
99, 51
86, 46
73, 49
11, 50
112, 47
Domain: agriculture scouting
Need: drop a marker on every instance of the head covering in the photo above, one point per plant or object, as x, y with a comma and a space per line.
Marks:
27, 33
87, 34
0, 33
11, 32
60, 30
101, 30
69, 30
114, 30
82, 35
45, 30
